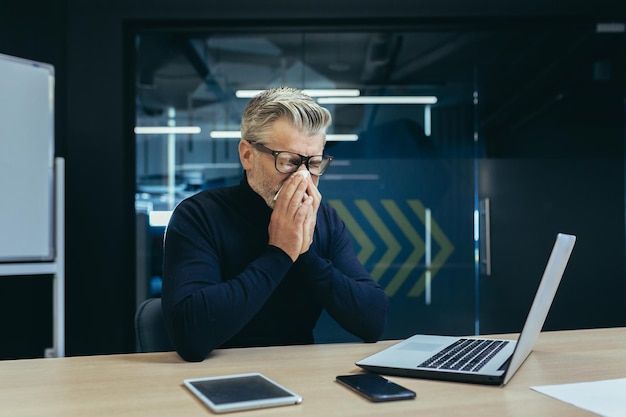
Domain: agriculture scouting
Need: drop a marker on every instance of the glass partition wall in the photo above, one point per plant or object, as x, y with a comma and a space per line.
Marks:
417, 116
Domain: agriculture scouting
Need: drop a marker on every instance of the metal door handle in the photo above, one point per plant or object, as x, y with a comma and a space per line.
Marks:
485, 237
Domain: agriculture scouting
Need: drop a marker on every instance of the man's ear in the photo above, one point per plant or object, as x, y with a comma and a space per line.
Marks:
246, 155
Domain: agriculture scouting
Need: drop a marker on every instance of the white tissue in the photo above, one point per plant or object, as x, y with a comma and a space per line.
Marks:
305, 173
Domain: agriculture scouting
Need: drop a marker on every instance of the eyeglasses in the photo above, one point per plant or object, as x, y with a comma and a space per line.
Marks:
288, 162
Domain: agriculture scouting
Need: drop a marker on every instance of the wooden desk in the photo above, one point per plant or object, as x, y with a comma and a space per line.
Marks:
150, 384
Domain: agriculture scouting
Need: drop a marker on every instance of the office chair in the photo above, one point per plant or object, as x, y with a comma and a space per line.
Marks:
150, 331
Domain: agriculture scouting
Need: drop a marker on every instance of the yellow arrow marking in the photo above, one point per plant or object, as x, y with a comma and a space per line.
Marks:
418, 247
446, 248
393, 247
367, 247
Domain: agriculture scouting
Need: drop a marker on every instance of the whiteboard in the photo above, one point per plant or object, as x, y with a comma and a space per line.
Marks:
26, 160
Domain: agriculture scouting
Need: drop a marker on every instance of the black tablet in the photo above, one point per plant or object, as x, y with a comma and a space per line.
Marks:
240, 392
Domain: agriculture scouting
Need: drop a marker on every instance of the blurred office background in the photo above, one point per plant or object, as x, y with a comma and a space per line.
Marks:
465, 137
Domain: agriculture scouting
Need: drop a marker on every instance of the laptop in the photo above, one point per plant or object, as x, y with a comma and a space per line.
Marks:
471, 359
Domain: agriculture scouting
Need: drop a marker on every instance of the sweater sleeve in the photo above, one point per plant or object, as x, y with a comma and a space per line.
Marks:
203, 309
341, 283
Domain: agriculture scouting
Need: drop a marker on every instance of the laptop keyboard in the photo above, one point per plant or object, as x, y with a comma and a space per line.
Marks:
465, 355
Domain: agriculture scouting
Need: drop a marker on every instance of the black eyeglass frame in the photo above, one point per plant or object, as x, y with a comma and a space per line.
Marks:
326, 159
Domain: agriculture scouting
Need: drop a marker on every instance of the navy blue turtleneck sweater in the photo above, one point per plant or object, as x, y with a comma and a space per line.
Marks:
224, 286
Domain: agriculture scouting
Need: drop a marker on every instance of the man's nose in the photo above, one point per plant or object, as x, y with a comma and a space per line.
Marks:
303, 166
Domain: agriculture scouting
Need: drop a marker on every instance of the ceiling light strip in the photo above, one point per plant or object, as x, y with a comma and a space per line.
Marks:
379, 100
333, 137
166, 130
313, 92
235, 134
225, 134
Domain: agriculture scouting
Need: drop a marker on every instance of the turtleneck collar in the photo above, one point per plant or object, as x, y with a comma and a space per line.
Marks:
253, 202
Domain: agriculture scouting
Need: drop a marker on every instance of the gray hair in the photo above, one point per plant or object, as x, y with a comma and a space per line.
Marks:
283, 102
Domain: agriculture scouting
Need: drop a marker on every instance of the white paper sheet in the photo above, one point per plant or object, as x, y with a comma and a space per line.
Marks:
606, 398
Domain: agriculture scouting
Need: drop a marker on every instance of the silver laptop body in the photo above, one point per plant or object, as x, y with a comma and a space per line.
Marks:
413, 356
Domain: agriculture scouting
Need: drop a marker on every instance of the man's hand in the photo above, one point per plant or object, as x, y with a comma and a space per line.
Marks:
294, 217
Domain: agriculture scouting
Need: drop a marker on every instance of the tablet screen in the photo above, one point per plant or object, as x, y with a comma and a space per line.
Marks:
239, 392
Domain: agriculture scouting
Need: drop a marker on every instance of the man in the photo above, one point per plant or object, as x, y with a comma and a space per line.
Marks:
255, 264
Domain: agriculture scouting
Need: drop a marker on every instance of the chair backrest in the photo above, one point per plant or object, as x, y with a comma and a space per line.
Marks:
150, 331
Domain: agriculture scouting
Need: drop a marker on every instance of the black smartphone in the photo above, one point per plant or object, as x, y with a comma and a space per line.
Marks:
375, 388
